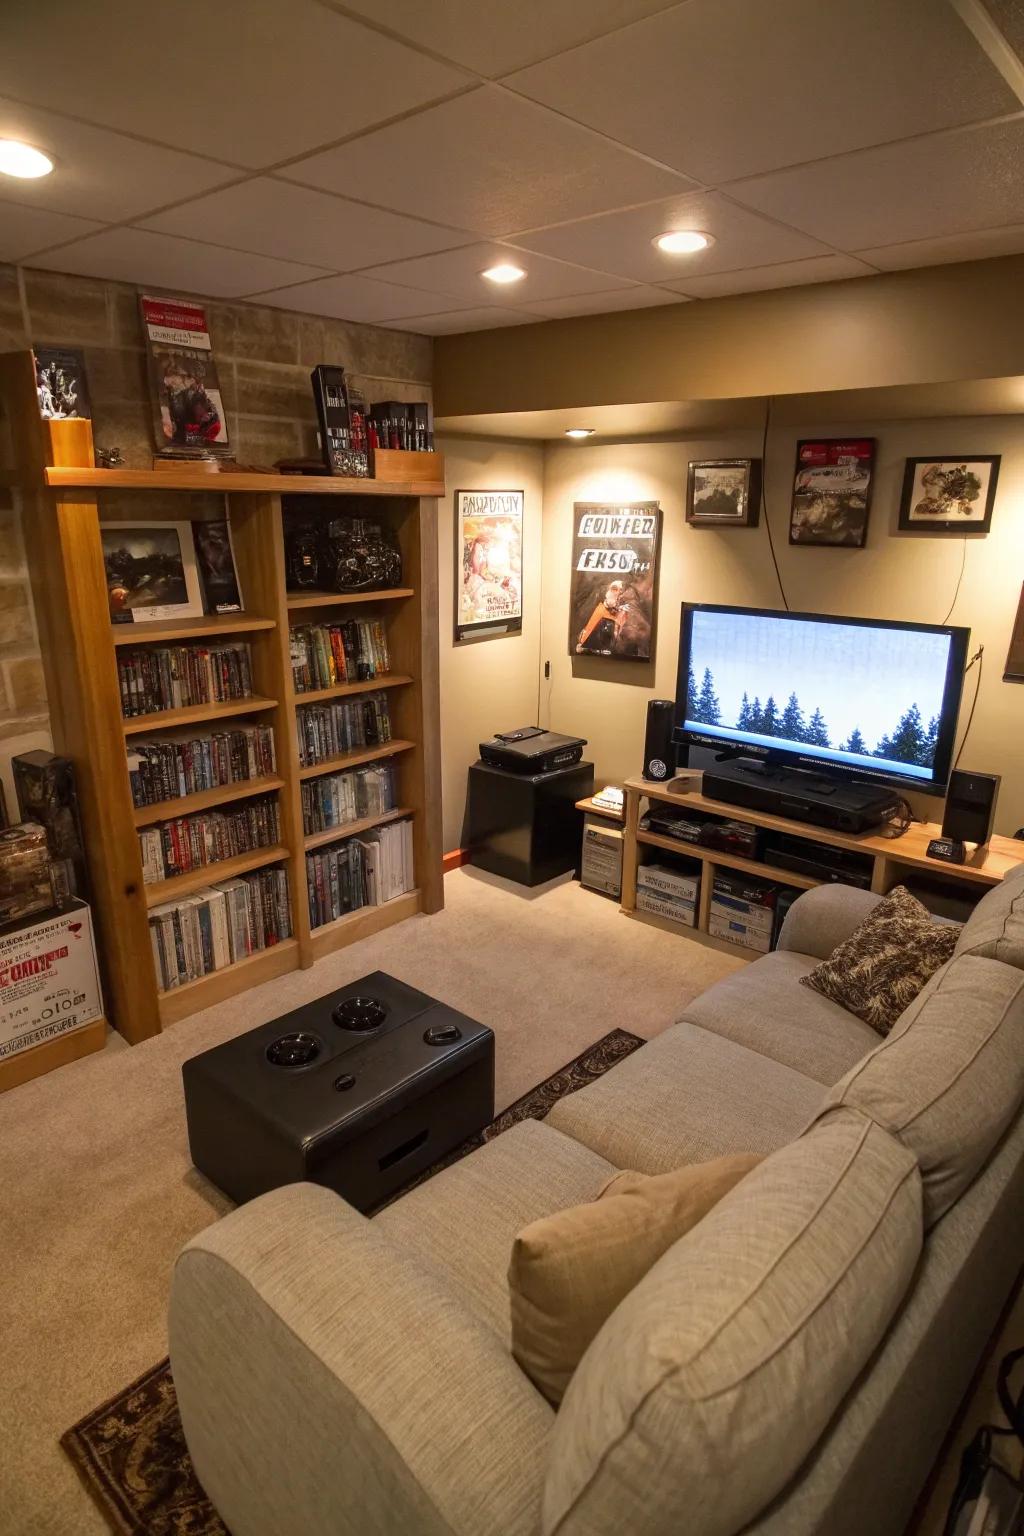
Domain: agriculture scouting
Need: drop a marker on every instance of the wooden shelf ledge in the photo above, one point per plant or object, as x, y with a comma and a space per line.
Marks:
353, 759
68, 477
363, 922
215, 987
189, 629
297, 600
212, 874
726, 860
196, 714
348, 829
204, 799
339, 690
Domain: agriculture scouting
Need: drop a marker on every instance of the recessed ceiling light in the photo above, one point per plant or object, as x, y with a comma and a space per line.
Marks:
683, 242
22, 160
579, 431
504, 272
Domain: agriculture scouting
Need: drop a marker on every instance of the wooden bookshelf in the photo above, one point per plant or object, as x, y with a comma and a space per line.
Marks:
352, 828
60, 496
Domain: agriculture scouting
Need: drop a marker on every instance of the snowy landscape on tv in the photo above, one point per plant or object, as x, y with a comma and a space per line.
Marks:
842, 692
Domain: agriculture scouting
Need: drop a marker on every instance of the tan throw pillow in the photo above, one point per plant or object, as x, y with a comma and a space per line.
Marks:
569, 1271
882, 966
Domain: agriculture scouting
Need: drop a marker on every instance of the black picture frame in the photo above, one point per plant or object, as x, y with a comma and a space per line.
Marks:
614, 544
747, 498
833, 480
939, 476
501, 508
1014, 669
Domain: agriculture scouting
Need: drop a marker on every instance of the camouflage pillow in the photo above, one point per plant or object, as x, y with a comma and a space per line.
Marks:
882, 966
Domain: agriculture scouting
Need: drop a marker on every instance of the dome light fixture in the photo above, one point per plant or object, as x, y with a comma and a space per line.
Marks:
21, 160
683, 242
579, 432
504, 272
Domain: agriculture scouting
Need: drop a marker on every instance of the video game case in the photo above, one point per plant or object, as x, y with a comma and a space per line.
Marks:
341, 454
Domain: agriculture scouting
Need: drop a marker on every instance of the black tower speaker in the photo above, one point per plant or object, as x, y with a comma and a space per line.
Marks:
970, 807
659, 748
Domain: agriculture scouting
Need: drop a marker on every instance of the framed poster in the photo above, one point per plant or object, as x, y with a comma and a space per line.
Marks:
952, 495
488, 562
151, 571
614, 577
724, 493
1014, 671
832, 491
188, 412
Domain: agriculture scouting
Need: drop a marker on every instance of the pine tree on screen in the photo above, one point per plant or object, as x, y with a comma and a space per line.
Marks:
756, 715
931, 741
769, 718
907, 743
745, 716
817, 731
792, 723
691, 694
707, 701
856, 742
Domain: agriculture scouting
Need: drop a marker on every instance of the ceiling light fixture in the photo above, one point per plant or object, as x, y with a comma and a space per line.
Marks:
579, 431
21, 160
504, 272
683, 242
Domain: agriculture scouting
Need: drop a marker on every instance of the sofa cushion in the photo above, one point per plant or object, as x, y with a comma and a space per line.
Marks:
569, 1271
710, 1384
995, 929
462, 1222
950, 1077
764, 1008
685, 1097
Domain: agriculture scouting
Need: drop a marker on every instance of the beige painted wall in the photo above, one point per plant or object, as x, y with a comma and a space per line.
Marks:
486, 685
896, 576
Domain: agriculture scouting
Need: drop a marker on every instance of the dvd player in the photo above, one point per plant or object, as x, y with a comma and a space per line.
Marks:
530, 750
841, 806
818, 860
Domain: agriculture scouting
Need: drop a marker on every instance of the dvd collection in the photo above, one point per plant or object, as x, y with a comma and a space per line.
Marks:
324, 654
329, 730
363, 871
167, 770
397, 424
340, 797
218, 925
175, 676
191, 842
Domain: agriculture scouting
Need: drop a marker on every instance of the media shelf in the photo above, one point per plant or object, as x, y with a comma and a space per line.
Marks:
60, 498
348, 829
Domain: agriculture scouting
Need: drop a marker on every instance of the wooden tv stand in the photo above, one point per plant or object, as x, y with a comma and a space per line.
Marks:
893, 858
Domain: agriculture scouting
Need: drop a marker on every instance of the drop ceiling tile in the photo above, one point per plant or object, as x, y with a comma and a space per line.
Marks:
138, 256
637, 297
785, 274
944, 185
100, 175
250, 81
23, 231
277, 218
1008, 16
455, 321
457, 274
488, 162
492, 36
621, 242
355, 298
725, 88
978, 245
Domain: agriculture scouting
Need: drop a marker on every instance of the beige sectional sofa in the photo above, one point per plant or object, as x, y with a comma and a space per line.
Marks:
789, 1367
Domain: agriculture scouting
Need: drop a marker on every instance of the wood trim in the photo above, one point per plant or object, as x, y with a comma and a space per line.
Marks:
362, 923
159, 891
347, 829
204, 800
353, 759
25, 1065
299, 600
340, 690
218, 986
188, 629
195, 714
455, 859
63, 477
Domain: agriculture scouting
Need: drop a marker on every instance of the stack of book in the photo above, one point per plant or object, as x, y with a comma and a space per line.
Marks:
398, 424
190, 842
361, 871
166, 770
175, 676
328, 730
218, 925
325, 654
340, 797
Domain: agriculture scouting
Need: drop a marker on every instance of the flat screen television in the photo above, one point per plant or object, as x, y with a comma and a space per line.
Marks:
868, 699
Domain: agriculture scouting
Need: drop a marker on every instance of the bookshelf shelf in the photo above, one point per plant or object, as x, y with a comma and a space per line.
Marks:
299, 600
59, 496
204, 800
353, 759
726, 860
352, 828
196, 714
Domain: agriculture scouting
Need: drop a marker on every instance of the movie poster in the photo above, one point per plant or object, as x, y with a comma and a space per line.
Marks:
832, 491
614, 572
188, 412
489, 561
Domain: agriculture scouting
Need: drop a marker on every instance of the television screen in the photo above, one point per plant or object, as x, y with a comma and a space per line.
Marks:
871, 698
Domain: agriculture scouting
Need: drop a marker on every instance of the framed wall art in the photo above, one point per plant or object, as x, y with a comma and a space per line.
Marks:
1014, 670
488, 563
832, 487
724, 493
151, 571
614, 579
949, 495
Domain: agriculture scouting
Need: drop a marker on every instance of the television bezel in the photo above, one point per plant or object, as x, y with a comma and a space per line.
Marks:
952, 696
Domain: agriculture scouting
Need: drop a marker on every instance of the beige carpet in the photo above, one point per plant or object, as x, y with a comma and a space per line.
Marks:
98, 1193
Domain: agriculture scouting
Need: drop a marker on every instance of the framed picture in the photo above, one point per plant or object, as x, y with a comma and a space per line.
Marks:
1014, 671
188, 413
724, 493
614, 579
151, 571
952, 495
832, 491
61, 384
488, 563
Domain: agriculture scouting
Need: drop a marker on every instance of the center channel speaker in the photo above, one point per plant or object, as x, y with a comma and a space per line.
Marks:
970, 807
659, 748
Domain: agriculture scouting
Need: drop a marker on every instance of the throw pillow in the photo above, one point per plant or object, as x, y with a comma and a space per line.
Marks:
882, 966
569, 1271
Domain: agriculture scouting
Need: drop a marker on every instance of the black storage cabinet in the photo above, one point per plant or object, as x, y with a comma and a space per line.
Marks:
526, 826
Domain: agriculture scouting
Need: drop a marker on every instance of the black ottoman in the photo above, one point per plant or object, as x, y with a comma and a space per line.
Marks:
361, 1091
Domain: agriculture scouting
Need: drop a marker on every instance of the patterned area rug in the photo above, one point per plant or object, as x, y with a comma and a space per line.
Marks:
130, 1452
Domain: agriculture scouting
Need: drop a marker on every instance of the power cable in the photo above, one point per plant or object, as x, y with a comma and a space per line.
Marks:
956, 592
764, 500
979, 657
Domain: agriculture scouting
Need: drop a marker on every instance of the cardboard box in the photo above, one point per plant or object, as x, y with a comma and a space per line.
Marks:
738, 932
682, 912
601, 864
676, 883
758, 919
49, 984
